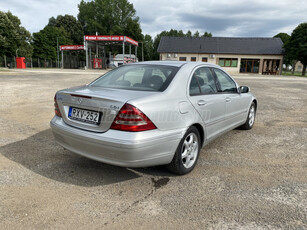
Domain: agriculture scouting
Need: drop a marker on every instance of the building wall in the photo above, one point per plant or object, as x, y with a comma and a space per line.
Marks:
214, 58
299, 67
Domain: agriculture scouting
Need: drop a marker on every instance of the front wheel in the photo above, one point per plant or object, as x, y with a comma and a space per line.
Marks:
250, 118
187, 153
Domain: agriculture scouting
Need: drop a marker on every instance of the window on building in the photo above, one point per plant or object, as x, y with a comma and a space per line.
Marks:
228, 62
204, 59
182, 58
193, 58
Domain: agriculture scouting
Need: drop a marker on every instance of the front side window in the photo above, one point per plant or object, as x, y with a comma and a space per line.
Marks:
226, 83
138, 77
202, 82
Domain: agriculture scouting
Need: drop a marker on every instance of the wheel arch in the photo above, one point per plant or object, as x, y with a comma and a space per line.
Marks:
201, 132
255, 101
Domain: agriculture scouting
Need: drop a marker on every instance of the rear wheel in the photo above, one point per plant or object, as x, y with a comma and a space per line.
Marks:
250, 118
187, 153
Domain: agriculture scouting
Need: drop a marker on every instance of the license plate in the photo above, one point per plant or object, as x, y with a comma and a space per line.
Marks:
83, 115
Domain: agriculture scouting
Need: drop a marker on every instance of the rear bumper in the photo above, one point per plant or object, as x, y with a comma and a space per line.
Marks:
126, 149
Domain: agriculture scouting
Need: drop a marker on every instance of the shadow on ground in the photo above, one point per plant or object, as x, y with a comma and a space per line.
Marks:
42, 155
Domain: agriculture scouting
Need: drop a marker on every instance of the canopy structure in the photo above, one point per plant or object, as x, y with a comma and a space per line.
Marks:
69, 48
97, 42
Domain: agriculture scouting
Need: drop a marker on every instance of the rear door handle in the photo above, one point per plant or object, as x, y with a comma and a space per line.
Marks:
201, 102
227, 99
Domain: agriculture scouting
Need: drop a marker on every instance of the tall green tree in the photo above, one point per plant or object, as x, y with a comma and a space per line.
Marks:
297, 45
71, 25
13, 37
283, 36
148, 48
109, 17
45, 41
288, 59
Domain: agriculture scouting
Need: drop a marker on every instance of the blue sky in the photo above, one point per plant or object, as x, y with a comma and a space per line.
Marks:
261, 18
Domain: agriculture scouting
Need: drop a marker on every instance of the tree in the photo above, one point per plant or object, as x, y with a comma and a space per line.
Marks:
13, 37
189, 34
288, 59
297, 45
196, 34
283, 36
45, 41
148, 48
207, 34
109, 17
71, 25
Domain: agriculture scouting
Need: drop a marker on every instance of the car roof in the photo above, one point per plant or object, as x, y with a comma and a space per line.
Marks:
175, 63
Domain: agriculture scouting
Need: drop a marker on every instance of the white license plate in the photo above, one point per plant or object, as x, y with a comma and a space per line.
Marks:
83, 115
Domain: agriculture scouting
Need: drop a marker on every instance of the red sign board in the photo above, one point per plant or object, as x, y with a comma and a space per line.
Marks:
110, 38
130, 40
103, 38
72, 47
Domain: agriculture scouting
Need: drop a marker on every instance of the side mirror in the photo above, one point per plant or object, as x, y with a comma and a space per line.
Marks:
244, 89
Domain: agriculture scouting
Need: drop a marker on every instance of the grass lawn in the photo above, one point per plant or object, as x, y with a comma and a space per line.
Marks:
289, 73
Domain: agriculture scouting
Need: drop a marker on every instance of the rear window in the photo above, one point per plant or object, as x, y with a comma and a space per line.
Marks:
138, 77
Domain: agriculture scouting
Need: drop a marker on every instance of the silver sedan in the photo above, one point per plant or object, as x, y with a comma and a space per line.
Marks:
151, 113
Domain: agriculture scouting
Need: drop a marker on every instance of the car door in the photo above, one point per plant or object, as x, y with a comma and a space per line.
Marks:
235, 102
204, 96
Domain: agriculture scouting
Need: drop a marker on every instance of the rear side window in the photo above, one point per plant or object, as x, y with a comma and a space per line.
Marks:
138, 77
226, 83
202, 82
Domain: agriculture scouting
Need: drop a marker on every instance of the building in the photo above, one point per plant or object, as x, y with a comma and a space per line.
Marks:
299, 67
119, 60
235, 55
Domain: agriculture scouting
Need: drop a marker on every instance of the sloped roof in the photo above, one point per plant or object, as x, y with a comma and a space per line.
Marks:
221, 45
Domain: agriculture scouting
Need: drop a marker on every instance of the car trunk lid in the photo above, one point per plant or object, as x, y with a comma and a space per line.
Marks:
104, 102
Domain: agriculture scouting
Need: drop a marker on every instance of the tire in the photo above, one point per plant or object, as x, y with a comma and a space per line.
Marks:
250, 120
187, 153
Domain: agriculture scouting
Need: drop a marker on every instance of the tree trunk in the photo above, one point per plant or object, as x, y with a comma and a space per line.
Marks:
293, 67
304, 70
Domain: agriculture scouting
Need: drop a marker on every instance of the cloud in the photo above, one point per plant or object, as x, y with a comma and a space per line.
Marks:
34, 14
258, 18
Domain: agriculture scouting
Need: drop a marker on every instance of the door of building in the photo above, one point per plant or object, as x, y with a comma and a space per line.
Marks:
249, 66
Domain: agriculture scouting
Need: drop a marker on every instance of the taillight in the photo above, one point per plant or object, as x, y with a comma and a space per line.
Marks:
56, 108
131, 119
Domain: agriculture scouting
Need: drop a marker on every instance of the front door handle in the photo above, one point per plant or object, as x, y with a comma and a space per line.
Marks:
227, 99
201, 102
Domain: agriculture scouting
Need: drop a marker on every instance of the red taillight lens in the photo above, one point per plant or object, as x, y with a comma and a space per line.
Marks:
131, 119
56, 108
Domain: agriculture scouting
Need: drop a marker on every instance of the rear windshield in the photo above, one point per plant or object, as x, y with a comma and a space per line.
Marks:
138, 77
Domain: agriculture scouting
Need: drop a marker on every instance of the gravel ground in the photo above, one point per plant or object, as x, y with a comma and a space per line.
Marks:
244, 180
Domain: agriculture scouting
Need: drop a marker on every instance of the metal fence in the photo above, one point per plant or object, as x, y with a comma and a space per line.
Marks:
70, 62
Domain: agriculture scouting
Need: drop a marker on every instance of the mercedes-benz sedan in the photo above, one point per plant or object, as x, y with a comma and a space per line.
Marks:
151, 113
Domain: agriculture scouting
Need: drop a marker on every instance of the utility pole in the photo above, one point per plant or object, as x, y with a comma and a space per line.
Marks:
142, 50
57, 50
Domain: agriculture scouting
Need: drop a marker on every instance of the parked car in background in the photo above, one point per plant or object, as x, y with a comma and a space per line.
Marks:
151, 113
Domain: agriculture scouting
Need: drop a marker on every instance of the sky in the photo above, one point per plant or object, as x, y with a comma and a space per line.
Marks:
223, 18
